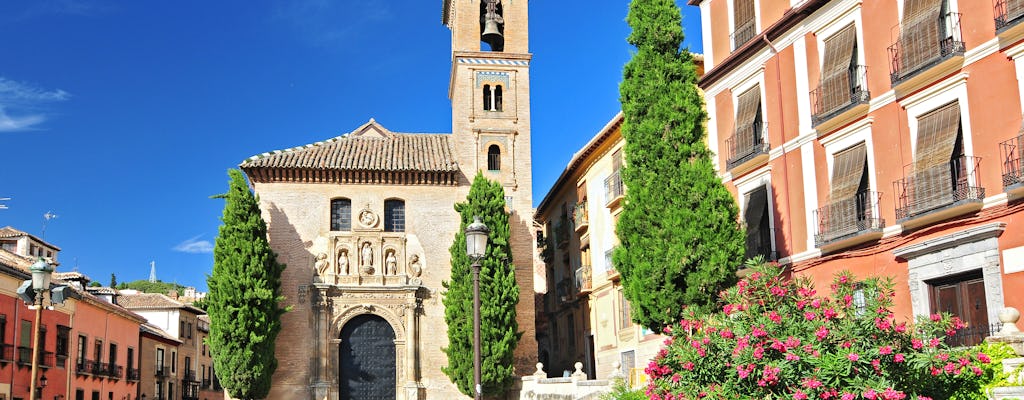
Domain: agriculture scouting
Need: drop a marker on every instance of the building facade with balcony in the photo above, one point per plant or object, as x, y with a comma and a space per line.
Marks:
880, 137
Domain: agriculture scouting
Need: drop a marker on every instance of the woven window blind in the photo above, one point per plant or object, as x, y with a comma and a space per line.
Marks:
835, 73
756, 216
919, 34
932, 181
847, 171
1014, 9
743, 14
746, 119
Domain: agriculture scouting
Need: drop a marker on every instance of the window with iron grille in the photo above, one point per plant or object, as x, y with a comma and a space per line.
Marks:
341, 215
743, 17
394, 215
63, 339
625, 316
843, 81
747, 139
494, 158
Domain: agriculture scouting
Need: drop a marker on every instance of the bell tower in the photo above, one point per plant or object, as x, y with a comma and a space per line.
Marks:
490, 95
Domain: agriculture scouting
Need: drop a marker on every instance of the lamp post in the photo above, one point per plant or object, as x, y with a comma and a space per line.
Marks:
41, 272
476, 249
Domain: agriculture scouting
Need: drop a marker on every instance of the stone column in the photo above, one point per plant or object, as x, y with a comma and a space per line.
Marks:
321, 330
411, 387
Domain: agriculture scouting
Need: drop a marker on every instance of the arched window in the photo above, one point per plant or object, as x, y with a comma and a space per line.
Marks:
487, 97
394, 215
497, 97
494, 158
341, 215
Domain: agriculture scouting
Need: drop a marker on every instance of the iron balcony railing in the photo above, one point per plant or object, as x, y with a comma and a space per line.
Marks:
828, 101
1009, 152
921, 46
580, 215
583, 279
133, 374
613, 187
743, 34
190, 376
973, 335
46, 358
115, 371
205, 384
24, 355
746, 143
934, 188
6, 352
1007, 15
161, 370
849, 217
99, 368
83, 367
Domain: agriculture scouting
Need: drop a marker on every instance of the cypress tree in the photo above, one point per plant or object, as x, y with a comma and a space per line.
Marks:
499, 294
244, 297
680, 240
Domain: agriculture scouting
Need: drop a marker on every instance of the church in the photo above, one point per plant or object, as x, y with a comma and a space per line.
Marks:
364, 222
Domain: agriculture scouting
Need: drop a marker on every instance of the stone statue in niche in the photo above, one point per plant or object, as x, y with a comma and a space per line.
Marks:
343, 262
321, 265
414, 265
391, 264
366, 257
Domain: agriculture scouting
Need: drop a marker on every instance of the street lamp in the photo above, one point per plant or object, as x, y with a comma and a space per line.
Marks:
41, 272
476, 248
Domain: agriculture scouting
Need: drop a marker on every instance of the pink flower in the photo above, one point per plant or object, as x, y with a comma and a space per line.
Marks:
884, 350
984, 358
936, 317
870, 394
892, 394
775, 317
821, 333
810, 316
853, 356
898, 358
778, 291
759, 331
688, 366
830, 313
848, 396
816, 303
977, 371
799, 395
812, 383
792, 357
917, 344
933, 342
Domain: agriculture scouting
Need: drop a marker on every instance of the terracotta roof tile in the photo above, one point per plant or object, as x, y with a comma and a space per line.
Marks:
9, 231
371, 147
15, 260
148, 301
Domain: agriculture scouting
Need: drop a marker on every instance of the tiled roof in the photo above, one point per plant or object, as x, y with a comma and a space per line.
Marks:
156, 331
14, 260
101, 290
148, 301
370, 148
70, 276
8, 231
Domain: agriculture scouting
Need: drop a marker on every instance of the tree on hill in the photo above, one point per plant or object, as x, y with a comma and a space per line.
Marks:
499, 294
680, 240
146, 286
243, 302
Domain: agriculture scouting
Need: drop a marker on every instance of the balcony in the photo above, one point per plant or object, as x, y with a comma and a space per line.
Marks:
133, 374
190, 376
161, 370
583, 280
581, 217
562, 233
614, 190
115, 371
1007, 15
748, 146
6, 353
99, 368
846, 222
743, 34
939, 192
205, 384
1013, 175
24, 355
829, 101
83, 367
925, 44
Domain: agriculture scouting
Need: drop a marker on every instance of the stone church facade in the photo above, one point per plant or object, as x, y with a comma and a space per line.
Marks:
364, 222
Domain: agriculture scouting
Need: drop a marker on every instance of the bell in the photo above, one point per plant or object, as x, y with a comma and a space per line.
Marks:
492, 35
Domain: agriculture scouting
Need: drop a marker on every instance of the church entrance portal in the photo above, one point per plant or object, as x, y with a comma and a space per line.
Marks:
367, 355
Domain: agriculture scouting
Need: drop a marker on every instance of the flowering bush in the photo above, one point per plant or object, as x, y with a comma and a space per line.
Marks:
775, 338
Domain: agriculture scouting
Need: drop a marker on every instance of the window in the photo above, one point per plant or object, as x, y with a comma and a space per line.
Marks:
941, 170
494, 158
492, 97
79, 394
130, 360
851, 208
170, 390
97, 353
80, 357
744, 26
497, 97
625, 317
63, 340
572, 334
189, 330
487, 98
341, 215
748, 139
757, 217
929, 32
3, 328
95, 395
159, 391
160, 365
174, 362
842, 79
112, 357
394, 215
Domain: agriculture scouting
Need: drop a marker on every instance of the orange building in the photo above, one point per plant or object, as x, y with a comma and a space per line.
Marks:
881, 137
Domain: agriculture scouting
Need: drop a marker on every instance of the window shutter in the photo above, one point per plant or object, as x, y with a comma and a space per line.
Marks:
841, 216
919, 34
835, 73
936, 137
746, 116
758, 239
743, 17
1014, 9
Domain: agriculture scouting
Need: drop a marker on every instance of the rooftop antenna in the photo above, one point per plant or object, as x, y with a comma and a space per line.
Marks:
152, 271
4, 206
46, 220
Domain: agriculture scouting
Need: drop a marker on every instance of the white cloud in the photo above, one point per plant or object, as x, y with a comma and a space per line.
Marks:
195, 246
22, 105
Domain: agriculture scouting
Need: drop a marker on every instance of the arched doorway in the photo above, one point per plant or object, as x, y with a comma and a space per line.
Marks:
367, 359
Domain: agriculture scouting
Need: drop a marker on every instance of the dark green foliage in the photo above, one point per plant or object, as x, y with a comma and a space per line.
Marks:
95, 284
113, 280
499, 294
680, 242
244, 297
145, 286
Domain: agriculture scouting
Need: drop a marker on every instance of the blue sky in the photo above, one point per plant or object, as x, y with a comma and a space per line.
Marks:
122, 118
